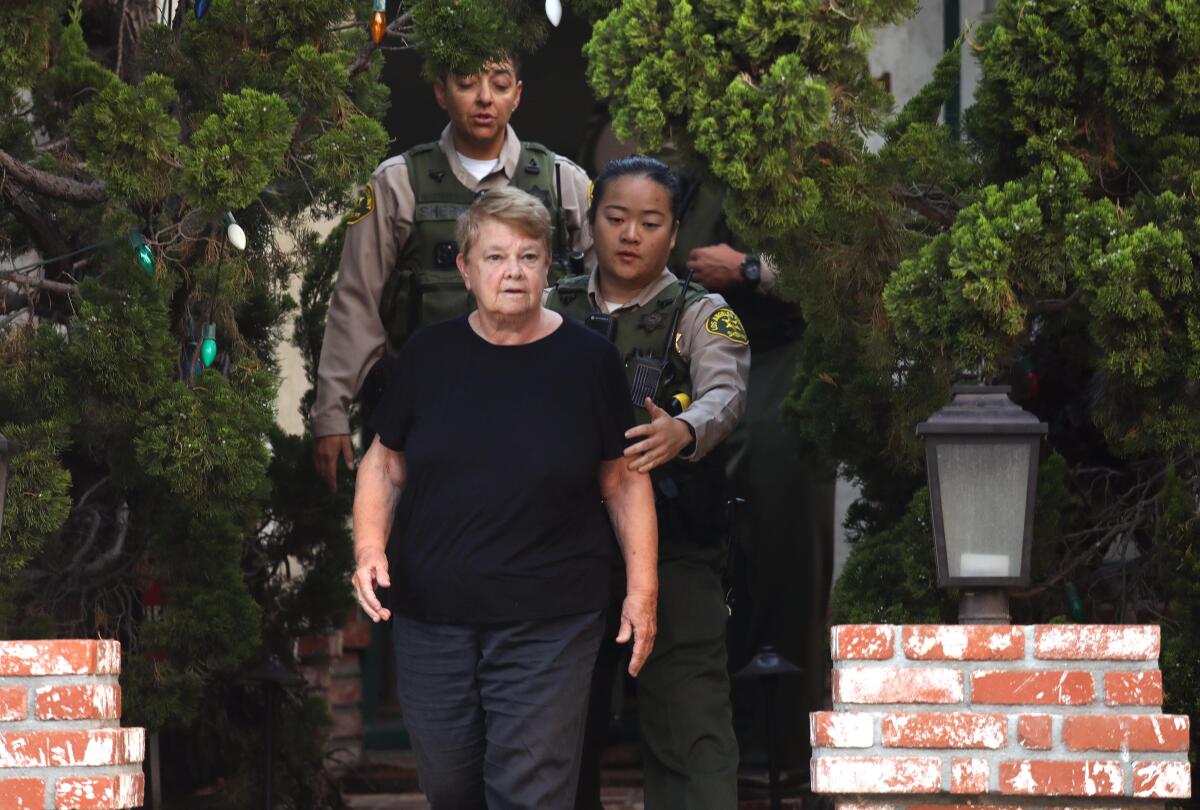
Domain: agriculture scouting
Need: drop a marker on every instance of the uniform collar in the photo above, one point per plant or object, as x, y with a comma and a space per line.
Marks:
644, 296
510, 155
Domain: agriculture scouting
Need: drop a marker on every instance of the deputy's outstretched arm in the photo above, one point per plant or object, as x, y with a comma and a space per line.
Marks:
629, 498
377, 491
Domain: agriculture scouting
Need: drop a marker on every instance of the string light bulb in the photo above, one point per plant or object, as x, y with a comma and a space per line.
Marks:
202, 8
378, 22
208, 347
554, 12
237, 237
145, 256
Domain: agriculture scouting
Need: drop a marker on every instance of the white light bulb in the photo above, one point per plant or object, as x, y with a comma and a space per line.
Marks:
237, 237
554, 12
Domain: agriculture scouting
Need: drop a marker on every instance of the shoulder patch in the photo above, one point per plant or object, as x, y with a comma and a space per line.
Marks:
364, 207
727, 324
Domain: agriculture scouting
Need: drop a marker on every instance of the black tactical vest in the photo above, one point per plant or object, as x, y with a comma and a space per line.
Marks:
425, 287
689, 496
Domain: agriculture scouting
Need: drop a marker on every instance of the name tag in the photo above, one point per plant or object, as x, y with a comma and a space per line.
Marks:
437, 212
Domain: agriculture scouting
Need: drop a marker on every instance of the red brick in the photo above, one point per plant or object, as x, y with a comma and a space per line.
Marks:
23, 749
1097, 642
346, 722
345, 692
978, 642
317, 677
1037, 687
863, 642
100, 792
887, 685
1137, 732
1162, 780
14, 704
106, 746
841, 729
326, 644
22, 794
969, 775
1036, 731
1133, 688
1062, 778
945, 730
347, 664
876, 775
356, 634
79, 702
71, 657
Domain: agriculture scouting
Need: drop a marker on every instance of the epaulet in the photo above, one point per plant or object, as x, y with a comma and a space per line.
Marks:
573, 283
534, 146
422, 148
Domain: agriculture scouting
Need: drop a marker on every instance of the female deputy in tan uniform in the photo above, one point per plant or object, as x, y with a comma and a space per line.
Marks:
681, 345
500, 572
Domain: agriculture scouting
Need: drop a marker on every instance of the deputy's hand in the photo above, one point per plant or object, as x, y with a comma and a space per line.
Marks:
661, 440
326, 450
716, 267
371, 569
639, 619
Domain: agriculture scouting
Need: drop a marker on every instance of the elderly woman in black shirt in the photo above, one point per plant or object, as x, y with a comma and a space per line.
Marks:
500, 441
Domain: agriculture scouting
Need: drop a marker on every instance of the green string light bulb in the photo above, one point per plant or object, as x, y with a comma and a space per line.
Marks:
145, 256
208, 347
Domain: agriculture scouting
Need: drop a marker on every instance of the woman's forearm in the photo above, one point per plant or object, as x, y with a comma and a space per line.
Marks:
377, 489
629, 498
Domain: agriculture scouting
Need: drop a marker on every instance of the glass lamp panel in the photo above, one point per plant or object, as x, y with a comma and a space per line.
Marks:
984, 491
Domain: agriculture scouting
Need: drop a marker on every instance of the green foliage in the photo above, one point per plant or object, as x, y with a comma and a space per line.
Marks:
891, 577
236, 153
140, 473
460, 36
130, 138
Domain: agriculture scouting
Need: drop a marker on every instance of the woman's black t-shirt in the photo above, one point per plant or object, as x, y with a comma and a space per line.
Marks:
501, 516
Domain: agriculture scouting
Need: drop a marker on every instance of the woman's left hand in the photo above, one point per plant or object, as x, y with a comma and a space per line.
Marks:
663, 439
639, 619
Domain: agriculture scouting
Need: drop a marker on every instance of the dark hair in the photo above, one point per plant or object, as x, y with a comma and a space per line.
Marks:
636, 166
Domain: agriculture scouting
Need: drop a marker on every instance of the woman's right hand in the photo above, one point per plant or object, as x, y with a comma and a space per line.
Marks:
371, 570
639, 618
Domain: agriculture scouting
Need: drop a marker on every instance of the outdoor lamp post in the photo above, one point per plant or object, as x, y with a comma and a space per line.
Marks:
981, 451
7, 448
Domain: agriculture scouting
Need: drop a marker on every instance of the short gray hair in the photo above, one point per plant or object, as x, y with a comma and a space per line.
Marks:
518, 209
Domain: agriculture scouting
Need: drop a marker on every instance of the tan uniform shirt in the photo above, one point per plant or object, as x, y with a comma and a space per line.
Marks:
354, 333
719, 366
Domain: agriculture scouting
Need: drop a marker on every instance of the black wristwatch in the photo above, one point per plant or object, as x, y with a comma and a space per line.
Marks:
751, 270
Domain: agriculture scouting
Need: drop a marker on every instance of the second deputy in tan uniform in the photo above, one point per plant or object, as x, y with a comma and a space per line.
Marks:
397, 269
658, 323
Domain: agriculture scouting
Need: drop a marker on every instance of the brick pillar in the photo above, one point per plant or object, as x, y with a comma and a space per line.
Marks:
331, 666
61, 741
931, 715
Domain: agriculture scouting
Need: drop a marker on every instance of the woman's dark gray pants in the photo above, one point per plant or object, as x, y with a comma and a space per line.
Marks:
495, 712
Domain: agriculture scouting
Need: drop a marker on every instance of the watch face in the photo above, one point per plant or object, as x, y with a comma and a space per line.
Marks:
751, 270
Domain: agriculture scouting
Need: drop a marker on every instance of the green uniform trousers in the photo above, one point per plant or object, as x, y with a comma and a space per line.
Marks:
690, 753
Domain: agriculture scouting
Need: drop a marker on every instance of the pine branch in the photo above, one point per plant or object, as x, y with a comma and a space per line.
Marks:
62, 188
39, 283
932, 204
42, 230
